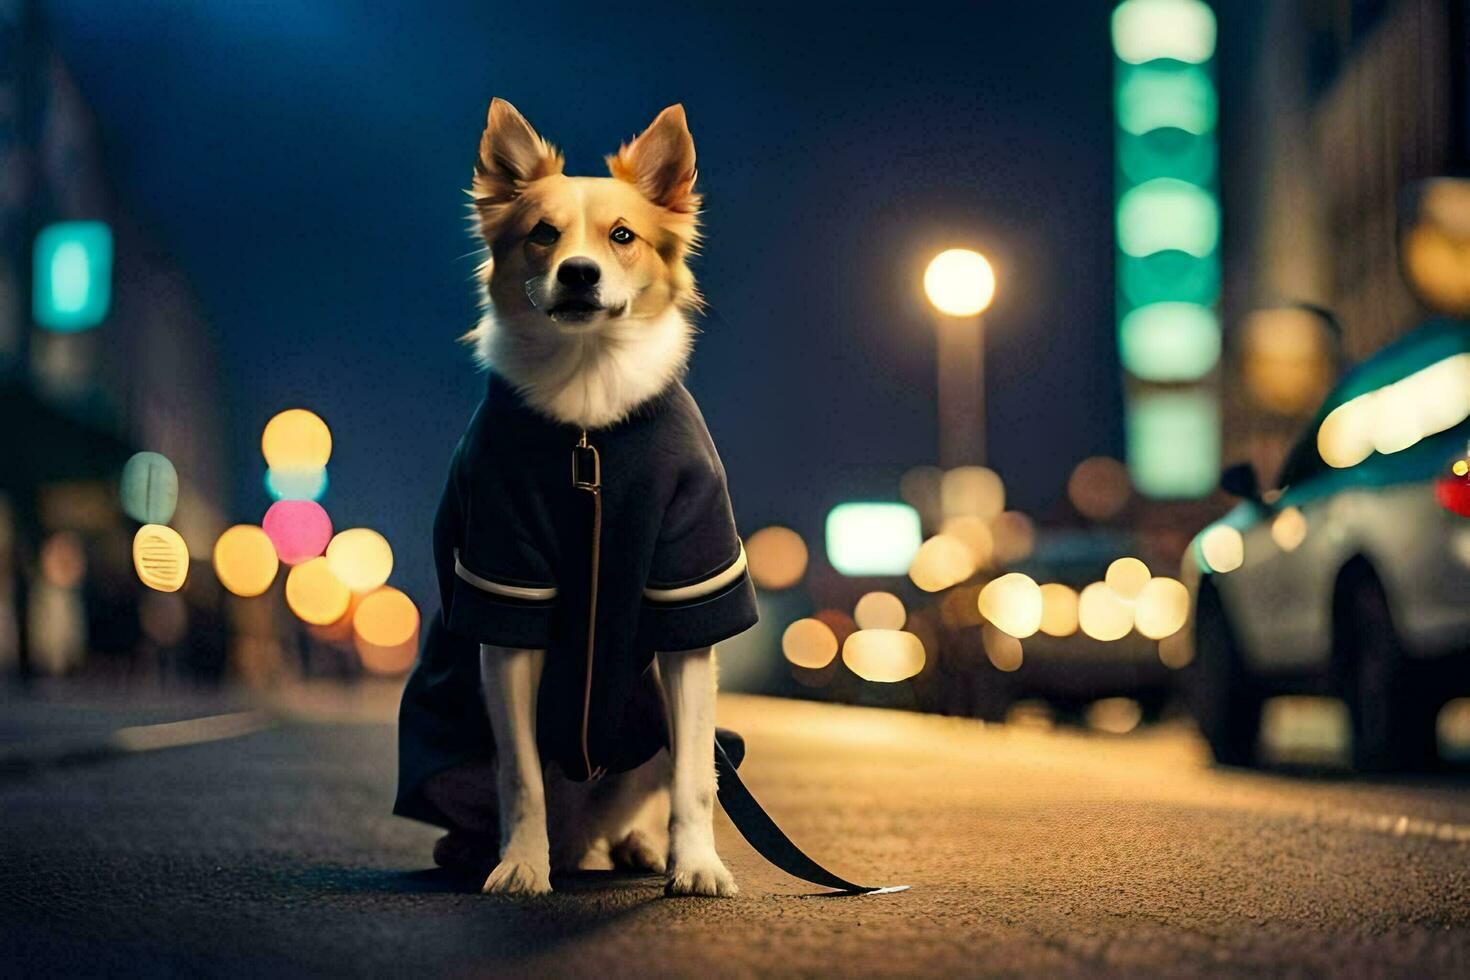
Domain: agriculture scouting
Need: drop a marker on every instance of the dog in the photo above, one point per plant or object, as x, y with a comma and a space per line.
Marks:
585, 334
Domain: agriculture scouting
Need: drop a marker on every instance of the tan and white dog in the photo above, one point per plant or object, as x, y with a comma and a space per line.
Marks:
586, 294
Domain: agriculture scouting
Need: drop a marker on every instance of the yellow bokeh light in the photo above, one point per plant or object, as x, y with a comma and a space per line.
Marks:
315, 594
1058, 609
1115, 716
809, 643
1013, 603
1289, 529
1102, 614
385, 618
974, 532
1453, 726
361, 558
385, 631
883, 655
245, 560
1001, 649
1460, 467
296, 439
1436, 245
1127, 577
1222, 548
1014, 535
971, 491
160, 557
1288, 360
776, 557
1161, 608
941, 561
1438, 267
880, 611
960, 282
1345, 437
1398, 415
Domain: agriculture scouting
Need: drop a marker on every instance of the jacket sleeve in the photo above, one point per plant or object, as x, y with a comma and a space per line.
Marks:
496, 586
698, 591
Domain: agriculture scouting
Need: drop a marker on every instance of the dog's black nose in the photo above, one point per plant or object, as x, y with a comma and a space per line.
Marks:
578, 273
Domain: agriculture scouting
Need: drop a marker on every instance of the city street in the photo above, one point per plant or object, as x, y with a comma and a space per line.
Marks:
259, 842
1057, 416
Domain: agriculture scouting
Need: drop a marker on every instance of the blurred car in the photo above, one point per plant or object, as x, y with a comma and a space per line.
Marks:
1351, 578
1072, 671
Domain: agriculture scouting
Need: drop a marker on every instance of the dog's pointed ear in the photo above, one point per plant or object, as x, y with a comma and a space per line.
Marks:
512, 154
660, 162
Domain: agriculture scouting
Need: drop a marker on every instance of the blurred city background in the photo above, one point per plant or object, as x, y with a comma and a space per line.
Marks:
235, 270
1096, 371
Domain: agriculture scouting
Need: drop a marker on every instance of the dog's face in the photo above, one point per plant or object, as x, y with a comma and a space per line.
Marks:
575, 254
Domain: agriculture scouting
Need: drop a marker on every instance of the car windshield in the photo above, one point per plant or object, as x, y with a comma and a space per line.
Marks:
1410, 390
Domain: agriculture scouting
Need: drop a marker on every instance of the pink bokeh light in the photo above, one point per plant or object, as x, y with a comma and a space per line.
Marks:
300, 529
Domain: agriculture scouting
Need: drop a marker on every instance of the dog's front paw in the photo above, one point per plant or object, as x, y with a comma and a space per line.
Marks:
704, 875
512, 877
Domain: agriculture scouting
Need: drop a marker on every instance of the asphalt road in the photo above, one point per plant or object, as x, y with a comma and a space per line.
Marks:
270, 851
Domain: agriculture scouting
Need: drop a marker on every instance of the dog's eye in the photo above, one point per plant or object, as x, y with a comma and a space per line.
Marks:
543, 234
622, 235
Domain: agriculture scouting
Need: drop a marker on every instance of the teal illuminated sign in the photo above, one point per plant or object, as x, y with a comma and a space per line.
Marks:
72, 282
872, 538
1166, 110
1174, 442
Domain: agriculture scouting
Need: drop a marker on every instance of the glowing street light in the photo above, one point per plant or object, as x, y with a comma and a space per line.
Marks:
960, 284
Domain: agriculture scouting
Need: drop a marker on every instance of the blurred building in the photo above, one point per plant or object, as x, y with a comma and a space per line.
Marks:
1329, 109
144, 376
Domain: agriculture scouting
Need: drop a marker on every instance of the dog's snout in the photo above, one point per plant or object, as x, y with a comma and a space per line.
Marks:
578, 273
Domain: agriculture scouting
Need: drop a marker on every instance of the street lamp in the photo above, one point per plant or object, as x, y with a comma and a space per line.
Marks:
960, 284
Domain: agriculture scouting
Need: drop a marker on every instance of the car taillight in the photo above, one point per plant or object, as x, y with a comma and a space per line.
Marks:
1452, 490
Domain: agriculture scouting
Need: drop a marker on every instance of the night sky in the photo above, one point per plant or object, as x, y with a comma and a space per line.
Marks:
305, 167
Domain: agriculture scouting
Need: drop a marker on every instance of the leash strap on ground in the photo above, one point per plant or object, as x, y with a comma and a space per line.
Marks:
757, 827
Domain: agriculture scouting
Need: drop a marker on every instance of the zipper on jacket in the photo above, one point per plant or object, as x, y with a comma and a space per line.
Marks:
587, 475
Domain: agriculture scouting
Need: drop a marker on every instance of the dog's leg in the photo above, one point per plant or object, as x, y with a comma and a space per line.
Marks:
512, 679
694, 867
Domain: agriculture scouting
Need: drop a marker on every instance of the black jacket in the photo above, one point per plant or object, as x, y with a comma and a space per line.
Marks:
512, 541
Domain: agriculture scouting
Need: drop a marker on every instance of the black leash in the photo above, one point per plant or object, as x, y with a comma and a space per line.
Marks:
748, 816
757, 827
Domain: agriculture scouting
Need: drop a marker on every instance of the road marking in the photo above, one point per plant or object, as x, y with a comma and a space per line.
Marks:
32, 760
1402, 825
191, 731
